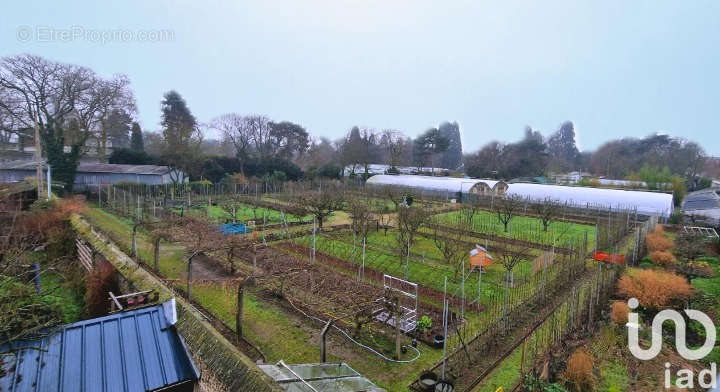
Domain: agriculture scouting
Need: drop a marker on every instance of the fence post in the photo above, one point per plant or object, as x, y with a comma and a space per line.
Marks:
239, 315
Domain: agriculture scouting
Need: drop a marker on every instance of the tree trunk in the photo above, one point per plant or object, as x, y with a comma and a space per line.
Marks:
231, 260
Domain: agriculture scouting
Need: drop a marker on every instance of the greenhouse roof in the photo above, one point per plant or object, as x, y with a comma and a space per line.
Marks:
443, 184
646, 203
312, 377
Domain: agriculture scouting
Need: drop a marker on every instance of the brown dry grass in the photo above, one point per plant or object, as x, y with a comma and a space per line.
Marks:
654, 288
579, 372
619, 312
657, 241
662, 258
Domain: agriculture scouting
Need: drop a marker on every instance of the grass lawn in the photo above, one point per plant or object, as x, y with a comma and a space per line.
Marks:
69, 299
526, 228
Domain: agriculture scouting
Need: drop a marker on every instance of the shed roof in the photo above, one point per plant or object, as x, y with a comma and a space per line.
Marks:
705, 199
138, 350
88, 167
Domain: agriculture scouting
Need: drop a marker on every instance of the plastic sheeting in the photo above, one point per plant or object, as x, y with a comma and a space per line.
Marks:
441, 184
646, 203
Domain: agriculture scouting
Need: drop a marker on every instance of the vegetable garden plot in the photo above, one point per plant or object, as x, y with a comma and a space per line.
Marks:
428, 273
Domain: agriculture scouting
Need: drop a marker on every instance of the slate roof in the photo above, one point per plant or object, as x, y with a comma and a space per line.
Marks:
137, 350
705, 199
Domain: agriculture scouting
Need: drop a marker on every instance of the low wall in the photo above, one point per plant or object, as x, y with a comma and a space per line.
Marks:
229, 366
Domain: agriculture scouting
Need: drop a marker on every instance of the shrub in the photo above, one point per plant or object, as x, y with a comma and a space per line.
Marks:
579, 372
619, 312
657, 241
662, 258
654, 288
424, 324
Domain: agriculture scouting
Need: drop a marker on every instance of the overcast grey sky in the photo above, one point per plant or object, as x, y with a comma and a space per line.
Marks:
615, 68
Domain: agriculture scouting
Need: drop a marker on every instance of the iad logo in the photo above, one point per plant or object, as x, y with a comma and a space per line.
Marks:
656, 342
685, 378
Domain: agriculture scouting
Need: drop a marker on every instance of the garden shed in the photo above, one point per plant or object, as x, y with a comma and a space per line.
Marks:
89, 176
134, 351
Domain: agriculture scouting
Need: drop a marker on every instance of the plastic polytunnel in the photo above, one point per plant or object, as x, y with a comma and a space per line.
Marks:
450, 186
646, 203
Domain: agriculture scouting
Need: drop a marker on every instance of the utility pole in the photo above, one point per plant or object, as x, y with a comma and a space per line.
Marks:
38, 157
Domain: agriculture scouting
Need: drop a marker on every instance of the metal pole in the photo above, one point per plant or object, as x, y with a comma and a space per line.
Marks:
407, 259
49, 176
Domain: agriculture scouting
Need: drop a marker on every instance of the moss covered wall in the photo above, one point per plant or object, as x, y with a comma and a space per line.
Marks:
229, 366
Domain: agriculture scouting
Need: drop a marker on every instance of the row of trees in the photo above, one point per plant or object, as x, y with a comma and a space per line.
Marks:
658, 160
65, 108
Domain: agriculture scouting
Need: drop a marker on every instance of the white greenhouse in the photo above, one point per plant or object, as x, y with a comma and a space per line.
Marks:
646, 203
451, 187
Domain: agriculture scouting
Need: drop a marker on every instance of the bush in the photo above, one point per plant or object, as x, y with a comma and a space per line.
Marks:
662, 258
424, 324
619, 312
657, 241
654, 288
579, 372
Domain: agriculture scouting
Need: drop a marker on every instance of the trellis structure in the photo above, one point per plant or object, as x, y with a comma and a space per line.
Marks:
698, 231
407, 294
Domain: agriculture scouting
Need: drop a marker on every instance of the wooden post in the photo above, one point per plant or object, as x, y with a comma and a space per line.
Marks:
189, 277
156, 253
323, 344
239, 315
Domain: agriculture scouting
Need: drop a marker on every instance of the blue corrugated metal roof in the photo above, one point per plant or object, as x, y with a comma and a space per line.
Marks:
137, 350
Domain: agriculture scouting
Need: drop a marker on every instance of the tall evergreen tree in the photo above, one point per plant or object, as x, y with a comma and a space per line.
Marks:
63, 163
562, 148
428, 145
117, 126
136, 138
452, 157
180, 134
179, 125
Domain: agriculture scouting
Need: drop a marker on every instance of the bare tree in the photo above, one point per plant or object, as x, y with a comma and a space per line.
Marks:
321, 203
471, 209
410, 219
451, 246
510, 258
237, 130
360, 210
394, 143
231, 205
506, 208
36, 92
547, 211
